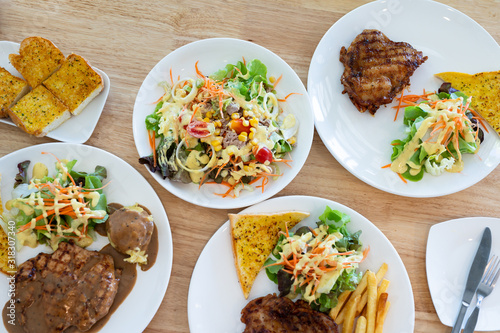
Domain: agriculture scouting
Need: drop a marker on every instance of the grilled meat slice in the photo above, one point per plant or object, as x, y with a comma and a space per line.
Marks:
376, 69
272, 314
71, 287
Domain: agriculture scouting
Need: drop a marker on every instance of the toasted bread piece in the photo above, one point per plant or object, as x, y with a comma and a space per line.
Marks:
253, 237
39, 112
38, 58
76, 83
484, 88
12, 89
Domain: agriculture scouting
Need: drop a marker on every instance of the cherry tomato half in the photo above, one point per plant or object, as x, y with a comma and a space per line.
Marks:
198, 129
237, 126
263, 155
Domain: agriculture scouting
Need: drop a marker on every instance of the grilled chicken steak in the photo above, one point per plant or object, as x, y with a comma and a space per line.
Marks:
376, 69
272, 314
71, 287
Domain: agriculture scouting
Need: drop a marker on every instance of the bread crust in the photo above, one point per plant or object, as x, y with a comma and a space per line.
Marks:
12, 89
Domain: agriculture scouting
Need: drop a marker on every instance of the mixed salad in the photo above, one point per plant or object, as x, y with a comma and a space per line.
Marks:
50, 209
228, 128
317, 264
441, 128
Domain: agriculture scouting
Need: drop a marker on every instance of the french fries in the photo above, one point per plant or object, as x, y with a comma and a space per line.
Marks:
366, 307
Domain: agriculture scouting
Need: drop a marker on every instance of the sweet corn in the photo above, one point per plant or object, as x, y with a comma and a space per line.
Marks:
216, 143
272, 79
254, 122
292, 140
217, 148
245, 113
248, 168
207, 120
253, 129
251, 135
217, 131
254, 142
231, 181
245, 122
242, 136
218, 123
235, 116
210, 114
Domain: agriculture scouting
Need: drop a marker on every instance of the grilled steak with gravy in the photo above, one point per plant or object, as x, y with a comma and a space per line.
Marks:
71, 287
272, 314
376, 69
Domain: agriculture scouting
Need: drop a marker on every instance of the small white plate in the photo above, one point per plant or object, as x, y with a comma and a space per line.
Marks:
215, 297
214, 54
361, 142
451, 248
77, 129
126, 186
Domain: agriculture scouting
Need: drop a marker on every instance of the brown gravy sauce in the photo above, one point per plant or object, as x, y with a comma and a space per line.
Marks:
126, 272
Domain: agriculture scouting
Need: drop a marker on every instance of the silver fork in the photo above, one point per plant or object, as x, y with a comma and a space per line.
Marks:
490, 277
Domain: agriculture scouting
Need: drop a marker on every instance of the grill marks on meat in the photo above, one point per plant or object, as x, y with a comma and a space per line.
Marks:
272, 314
376, 69
71, 287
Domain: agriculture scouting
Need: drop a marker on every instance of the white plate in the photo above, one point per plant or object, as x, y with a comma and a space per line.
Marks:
362, 143
214, 54
77, 129
126, 186
451, 248
215, 297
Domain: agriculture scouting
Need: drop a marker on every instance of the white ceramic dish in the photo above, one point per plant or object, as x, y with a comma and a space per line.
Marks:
361, 142
215, 298
77, 129
214, 54
126, 186
451, 248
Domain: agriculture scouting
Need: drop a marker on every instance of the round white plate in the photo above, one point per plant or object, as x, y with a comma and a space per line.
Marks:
77, 129
451, 248
361, 142
215, 297
214, 54
126, 186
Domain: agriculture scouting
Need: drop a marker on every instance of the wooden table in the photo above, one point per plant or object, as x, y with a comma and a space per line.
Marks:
127, 38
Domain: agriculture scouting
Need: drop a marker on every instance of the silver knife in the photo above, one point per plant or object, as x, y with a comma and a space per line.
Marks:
475, 274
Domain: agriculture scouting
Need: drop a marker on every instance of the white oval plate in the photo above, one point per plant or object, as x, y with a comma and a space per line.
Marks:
215, 297
361, 142
214, 54
451, 247
77, 129
126, 186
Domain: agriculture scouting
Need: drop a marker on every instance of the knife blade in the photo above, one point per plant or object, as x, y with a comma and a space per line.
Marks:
475, 274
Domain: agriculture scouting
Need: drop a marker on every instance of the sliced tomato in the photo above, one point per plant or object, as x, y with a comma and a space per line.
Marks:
198, 129
237, 126
263, 155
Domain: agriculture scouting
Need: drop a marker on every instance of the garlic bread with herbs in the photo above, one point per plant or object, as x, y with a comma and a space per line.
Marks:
76, 83
484, 88
253, 237
12, 89
39, 112
38, 58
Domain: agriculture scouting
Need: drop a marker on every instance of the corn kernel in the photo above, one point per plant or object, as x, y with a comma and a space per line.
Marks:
245, 113
254, 142
207, 120
217, 131
215, 143
245, 123
217, 148
231, 181
253, 129
218, 123
248, 168
272, 79
254, 122
235, 116
292, 140
210, 114
242, 136
251, 135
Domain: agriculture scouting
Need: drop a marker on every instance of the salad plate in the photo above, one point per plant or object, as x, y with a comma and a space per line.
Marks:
360, 142
210, 56
215, 298
77, 129
457, 241
126, 186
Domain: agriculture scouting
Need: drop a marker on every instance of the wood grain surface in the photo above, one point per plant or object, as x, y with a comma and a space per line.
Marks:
126, 39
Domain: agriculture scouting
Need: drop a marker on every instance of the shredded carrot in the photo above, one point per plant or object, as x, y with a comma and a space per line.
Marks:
277, 81
402, 178
286, 97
